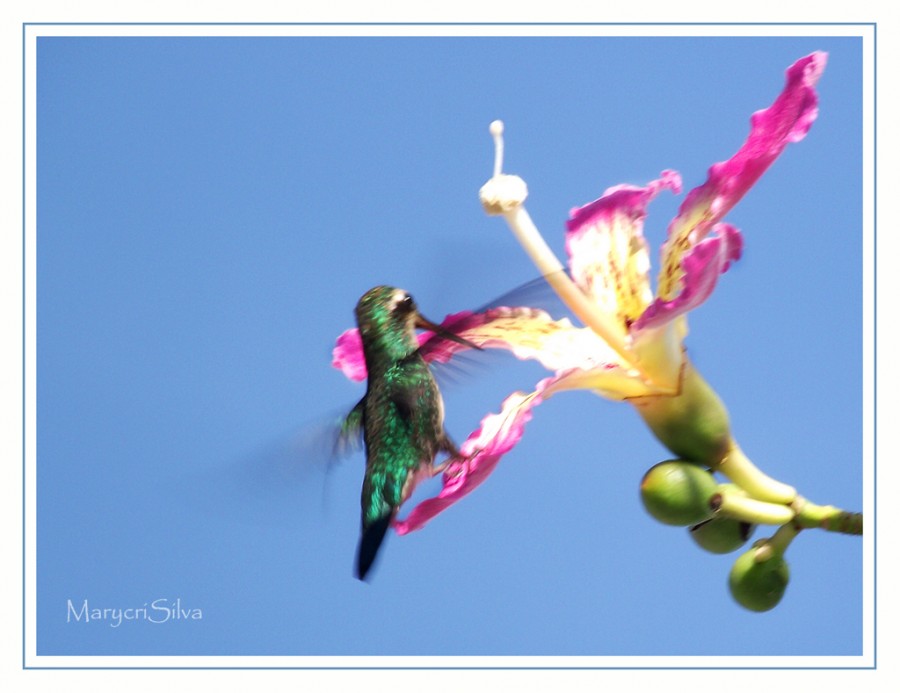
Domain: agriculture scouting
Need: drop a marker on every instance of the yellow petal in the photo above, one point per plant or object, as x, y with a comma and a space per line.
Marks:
533, 334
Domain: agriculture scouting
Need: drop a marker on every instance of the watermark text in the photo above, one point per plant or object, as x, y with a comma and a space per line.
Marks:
157, 611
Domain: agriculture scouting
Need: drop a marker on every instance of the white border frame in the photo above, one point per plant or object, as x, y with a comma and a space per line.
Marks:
31, 32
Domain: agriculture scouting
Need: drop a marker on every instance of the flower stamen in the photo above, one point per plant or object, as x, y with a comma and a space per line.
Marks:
496, 129
505, 194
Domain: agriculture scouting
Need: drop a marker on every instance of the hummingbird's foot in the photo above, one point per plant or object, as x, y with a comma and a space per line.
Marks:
440, 468
461, 461
454, 456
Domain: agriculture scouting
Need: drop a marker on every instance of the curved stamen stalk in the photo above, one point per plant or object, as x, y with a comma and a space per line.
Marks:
505, 194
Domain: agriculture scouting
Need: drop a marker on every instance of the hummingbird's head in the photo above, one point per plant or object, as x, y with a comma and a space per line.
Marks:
387, 318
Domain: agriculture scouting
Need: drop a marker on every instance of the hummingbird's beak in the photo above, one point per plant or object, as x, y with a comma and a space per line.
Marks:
423, 323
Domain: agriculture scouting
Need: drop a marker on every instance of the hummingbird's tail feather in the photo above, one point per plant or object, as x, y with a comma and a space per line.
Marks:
369, 543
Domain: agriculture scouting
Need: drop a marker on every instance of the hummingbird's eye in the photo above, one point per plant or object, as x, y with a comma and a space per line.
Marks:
405, 304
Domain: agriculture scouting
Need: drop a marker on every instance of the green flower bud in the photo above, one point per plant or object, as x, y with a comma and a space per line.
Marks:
758, 585
722, 534
692, 424
678, 493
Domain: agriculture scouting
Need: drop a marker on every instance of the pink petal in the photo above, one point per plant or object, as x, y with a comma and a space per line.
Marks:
607, 251
628, 200
347, 355
787, 120
483, 449
702, 266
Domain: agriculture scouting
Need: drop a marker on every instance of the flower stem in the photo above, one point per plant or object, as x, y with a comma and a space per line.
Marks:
777, 544
734, 504
737, 467
827, 517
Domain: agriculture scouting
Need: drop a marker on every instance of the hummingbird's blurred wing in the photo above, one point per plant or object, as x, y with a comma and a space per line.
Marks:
278, 482
287, 473
316, 447
535, 294
349, 436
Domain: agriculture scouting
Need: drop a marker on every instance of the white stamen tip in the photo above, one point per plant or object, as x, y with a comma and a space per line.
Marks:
502, 194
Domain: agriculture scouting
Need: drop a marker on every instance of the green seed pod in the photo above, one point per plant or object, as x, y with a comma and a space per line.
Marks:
722, 534
678, 493
758, 585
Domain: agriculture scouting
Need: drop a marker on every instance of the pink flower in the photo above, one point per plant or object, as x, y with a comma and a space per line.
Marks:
632, 343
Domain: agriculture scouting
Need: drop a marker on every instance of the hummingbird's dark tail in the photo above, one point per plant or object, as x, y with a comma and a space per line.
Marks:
369, 542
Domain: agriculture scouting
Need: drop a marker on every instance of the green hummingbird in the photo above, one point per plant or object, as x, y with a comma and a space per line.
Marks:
401, 416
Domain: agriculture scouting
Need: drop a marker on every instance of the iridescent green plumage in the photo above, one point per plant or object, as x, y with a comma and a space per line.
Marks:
401, 414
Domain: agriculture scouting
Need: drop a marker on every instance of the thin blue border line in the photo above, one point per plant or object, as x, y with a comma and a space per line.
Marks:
874, 525
873, 25
511, 24
24, 376
436, 668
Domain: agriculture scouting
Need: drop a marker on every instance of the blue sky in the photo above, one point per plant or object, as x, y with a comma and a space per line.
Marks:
209, 211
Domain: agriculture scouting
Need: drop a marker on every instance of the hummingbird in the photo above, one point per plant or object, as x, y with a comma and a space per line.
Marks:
401, 416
